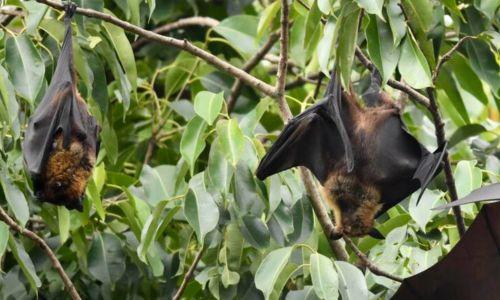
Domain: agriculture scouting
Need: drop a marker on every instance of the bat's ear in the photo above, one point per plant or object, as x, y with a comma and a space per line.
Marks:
372, 94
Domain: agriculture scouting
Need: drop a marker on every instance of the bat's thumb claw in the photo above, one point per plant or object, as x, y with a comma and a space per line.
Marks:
335, 235
69, 8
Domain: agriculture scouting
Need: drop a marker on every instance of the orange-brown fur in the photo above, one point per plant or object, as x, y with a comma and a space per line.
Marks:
354, 203
66, 172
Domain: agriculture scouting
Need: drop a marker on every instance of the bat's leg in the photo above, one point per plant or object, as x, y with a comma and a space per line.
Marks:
337, 213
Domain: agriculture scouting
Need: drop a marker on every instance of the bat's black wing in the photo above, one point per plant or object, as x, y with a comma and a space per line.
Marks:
60, 111
486, 193
310, 140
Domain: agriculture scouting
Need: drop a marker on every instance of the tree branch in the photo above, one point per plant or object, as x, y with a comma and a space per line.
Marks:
441, 140
367, 263
448, 55
188, 276
414, 94
180, 44
281, 82
192, 21
252, 63
70, 287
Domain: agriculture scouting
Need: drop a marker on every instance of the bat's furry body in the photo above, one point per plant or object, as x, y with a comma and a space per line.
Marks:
363, 157
61, 142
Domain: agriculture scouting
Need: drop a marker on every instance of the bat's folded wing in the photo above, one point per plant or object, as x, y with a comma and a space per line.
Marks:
310, 140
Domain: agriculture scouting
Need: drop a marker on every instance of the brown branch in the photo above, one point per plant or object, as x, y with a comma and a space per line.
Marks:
188, 276
192, 21
414, 94
367, 263
180, 44
281, 80
441, 140
448, 55
70, 287
322, 215
300, 81
252, 63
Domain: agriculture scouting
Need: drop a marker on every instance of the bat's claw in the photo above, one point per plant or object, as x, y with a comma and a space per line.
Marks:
336, 234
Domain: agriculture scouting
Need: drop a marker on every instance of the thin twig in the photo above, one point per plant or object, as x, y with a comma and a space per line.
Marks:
188, 276
300, 81
369, 264
180, 44
441, 140
70, 287
448, 55
191, 21
252, 63
281, 76
318, 85
414, 94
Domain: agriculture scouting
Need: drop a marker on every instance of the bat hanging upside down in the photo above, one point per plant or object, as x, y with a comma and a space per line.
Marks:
363, 156
61, 142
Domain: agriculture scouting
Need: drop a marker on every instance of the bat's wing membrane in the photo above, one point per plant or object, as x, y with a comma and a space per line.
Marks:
310, 140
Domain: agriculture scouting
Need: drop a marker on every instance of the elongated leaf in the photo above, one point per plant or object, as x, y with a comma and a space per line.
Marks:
468, 177
4, 237
9, 107
106, 260
157, 182
381, 47
270, 269
396, 20
26, 264
151, 227
465, 132
192, 142
325, 46
348, 35
352, 283
240, 31
200, 209
267, 17
324, 277
413, 66
16, 200
232, 139
372, 6
422, 213
64, 222
124, 52
208, 105
25, 66
255, 232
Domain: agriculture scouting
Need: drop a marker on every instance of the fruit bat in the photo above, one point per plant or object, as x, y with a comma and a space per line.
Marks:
61, 141
472, 268
363, 156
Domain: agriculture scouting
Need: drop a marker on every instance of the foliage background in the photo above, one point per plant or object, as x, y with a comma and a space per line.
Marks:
146, 215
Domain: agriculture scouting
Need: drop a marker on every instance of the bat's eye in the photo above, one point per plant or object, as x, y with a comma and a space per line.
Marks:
59, 185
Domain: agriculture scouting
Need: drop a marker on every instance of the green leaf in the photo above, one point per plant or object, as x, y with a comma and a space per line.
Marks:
303, 221
347, 37
95, 196
4, 237
151, 227
324, 277
396, 20
106, 260
372, 7
219, 171
422, 213
468, 177
313, 21
325, 6
26, 264
413, 66
16, 200
255, 232
251, 119
200, 209
192, 141
465, 132
110, 141
9, 107
240, 31
36, 11
25, 66
208, 105
419, 13
325, 46
246, 193
446, 82
381, 48
124, 51
270, 269
352, 283
231, 139
157, 182
266, 18
64, 222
